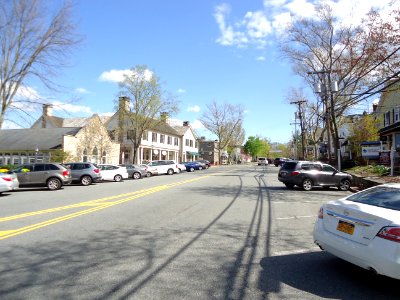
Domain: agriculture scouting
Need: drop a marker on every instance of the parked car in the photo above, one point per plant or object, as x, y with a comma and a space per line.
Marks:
84, 172
181, 167
113, 172
363, 229
204, 162
52, 175
165, 166
279, 161
307, 174
192, 165
135, 171
150, 171
8, 181
262, 161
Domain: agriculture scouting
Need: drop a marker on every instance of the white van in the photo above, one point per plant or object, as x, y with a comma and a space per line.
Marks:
262, 161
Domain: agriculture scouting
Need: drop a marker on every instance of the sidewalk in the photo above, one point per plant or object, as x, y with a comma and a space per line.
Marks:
361, 183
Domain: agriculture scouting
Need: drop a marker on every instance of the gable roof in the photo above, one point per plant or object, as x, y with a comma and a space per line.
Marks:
31, 139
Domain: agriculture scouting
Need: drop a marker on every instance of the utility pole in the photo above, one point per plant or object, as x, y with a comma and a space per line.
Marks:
299, 103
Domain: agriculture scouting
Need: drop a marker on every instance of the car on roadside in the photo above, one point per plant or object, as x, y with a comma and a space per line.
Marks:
150, 171
279, 161
111, 172
204, 162
8, 181
135, 171
309, 174
192, 165
51, 175
181, 167
84, 172
262, 161
168, 167
363, 229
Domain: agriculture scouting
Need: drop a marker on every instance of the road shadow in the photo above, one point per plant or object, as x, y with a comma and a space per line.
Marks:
325, 276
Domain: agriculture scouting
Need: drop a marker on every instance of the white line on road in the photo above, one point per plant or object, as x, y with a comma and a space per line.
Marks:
296, 251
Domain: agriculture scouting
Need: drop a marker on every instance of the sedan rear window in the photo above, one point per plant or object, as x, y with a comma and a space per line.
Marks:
289, 165
381, 196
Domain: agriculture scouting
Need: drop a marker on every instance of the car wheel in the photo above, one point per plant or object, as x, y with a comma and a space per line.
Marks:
86, 180
344, 185
178, 171
307, 184
54, 184
117, 178
191, 169
170, 172
289, 185
148, 174
200, 168
136, 175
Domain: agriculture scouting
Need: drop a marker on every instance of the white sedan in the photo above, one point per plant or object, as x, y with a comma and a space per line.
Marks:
364, 229
8, 181
113, 172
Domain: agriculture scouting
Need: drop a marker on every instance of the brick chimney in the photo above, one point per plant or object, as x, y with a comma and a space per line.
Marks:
123, 103
46, 112
164, 117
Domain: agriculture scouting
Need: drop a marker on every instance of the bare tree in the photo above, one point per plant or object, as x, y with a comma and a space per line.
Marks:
224, 121
359, 58
149, 101
33, 47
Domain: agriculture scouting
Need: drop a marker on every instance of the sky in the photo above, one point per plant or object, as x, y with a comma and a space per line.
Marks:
202, 51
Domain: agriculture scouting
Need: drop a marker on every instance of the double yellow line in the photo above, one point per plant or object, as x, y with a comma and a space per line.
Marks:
95, 205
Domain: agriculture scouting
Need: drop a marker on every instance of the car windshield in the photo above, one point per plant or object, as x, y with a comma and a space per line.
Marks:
381, 196
289, 165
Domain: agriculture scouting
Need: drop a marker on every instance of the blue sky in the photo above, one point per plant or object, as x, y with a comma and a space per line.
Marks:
201, 50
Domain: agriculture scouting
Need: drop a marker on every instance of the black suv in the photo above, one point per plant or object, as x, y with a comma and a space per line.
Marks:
279, 161
307, 174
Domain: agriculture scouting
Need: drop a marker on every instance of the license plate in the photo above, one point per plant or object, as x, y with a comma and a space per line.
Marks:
345, 227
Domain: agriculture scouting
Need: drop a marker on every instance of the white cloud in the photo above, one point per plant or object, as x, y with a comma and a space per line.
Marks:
107, 114
194, 108
60, 106
81, 91
29, 93
260, 27
260, 58
119, 75
181, 91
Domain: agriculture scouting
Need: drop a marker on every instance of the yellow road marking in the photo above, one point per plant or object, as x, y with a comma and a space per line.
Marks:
98, 204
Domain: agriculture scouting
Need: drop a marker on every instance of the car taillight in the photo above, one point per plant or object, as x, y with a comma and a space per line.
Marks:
294, 173
97, 171
7, 178
321, 213
66, 173
390, 233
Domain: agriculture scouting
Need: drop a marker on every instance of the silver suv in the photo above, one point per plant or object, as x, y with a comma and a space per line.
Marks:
84, 172
308, 174
52, 175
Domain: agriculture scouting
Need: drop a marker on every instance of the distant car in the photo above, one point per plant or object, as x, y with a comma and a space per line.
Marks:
84, 172
192, 165
206, 163
363, 229
262, 161
52, 175
135, 171
165, 166
8, 181
113, 172
308, 174
279, 161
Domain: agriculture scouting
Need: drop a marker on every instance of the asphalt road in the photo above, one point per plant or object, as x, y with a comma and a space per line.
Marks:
230, 232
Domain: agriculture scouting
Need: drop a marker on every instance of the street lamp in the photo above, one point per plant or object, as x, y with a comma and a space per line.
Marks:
36, 153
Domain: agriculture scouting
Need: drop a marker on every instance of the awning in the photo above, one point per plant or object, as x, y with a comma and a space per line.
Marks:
192, 153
